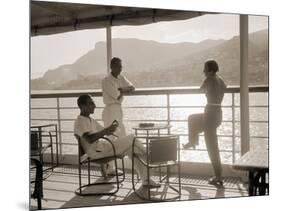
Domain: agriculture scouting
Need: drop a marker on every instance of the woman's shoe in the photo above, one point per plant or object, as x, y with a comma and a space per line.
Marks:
189, 145
215, 181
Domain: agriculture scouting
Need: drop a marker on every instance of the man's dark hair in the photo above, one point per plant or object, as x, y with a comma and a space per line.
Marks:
82, 99
114, 61
212, 65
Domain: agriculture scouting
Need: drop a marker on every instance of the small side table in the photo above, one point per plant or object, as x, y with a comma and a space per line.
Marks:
156, 127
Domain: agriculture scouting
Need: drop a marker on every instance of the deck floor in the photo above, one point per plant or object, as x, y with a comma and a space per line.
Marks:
59, 187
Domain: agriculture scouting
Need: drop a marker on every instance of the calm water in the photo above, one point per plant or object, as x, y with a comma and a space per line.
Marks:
153, 110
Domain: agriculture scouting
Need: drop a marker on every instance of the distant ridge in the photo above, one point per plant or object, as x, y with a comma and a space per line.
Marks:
154, 64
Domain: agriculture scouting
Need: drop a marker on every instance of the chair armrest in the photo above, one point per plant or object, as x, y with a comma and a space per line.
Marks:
43, 149
112, 145
78, 138
84, 158
104, 138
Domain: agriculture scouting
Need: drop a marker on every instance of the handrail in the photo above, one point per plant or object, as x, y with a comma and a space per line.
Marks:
140, 91
58, 94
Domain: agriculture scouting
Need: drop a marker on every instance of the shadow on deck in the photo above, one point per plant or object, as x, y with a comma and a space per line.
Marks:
58, 190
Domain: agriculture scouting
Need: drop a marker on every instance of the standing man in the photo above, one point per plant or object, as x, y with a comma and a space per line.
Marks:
114, 86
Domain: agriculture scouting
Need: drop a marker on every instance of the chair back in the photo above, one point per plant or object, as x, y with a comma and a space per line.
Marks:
34, 140
81, 151
163, 149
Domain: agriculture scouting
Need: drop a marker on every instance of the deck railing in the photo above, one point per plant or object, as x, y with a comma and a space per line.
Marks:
61, 111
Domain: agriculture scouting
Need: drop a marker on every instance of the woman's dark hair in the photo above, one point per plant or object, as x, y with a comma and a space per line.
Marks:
82, 99
212, 65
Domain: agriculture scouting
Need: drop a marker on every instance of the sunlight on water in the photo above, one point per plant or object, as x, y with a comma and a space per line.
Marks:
190, 100
154, 110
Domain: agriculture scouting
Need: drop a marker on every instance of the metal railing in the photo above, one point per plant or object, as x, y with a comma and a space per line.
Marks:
58, 96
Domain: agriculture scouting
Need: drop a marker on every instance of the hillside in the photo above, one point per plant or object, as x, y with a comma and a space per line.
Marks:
153, 64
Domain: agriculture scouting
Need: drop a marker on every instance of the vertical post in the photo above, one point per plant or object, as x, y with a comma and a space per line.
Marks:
233, 127
169, 113
59, 125
244, 90
108, 47
40, 144
57, 147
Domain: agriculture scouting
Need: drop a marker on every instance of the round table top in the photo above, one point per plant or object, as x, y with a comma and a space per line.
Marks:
154, 127
41, 125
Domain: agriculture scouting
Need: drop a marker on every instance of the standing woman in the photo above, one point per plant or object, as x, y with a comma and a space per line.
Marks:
214, 88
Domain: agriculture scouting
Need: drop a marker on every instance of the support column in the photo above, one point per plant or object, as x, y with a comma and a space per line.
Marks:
108, 47
244, 88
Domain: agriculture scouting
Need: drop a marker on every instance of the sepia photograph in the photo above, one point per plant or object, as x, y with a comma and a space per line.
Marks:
135, 105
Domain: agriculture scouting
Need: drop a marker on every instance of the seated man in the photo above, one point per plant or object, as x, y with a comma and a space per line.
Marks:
89, 130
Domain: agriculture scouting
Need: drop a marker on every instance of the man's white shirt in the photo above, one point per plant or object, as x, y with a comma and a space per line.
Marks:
110, 86
88, 125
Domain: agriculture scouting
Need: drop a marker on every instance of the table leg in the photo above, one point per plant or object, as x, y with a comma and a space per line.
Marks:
147, 161
160, 174
168, 174
52, 152
262, 185
57, 147
251, 183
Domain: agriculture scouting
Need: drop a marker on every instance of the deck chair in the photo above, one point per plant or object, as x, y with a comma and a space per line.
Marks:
84, 159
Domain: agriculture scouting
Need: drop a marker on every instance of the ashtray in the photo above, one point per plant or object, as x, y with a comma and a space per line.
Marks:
146, 124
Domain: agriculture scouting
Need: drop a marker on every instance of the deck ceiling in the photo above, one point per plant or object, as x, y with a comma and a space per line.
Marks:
58, 17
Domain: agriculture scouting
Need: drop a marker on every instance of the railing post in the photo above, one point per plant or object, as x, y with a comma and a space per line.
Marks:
234, 91
59, 125
233, 127
168, 112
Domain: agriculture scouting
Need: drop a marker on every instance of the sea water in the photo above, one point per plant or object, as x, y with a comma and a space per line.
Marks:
153, 108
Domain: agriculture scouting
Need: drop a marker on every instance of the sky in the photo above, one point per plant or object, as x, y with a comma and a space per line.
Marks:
49, 52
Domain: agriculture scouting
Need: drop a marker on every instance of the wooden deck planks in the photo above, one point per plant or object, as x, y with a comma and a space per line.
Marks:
59, 191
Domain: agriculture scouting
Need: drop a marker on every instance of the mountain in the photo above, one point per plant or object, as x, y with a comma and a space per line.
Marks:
146, 62
187, 71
